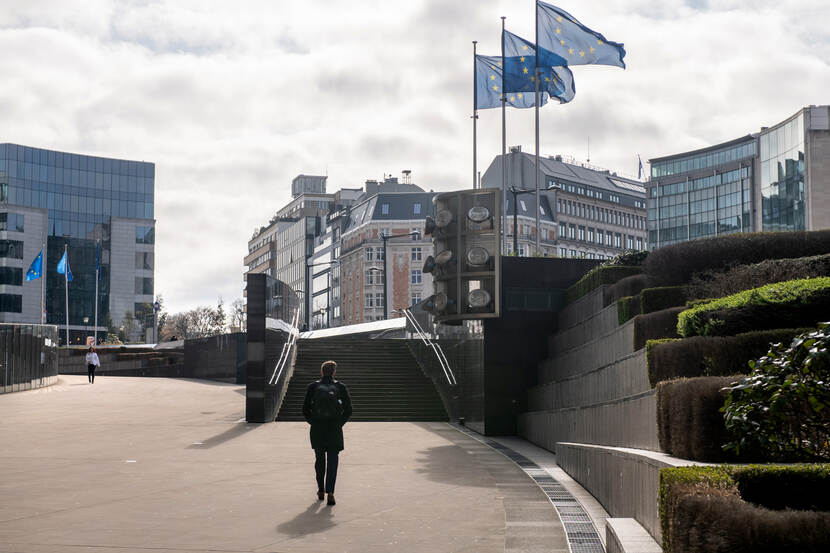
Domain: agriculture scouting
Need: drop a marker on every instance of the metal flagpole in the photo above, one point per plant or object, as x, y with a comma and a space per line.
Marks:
43, 283
475, 113
97, 277
503, 149
66, 288
536, 75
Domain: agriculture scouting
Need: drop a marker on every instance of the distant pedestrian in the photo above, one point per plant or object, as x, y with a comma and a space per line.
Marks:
326, 408
91, 363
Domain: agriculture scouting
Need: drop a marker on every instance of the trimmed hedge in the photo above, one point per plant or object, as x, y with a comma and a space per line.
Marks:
597, 277
627, 308
716, 284
689, 422
793, 303
628, 286
651, 326
675, 264
663, 297
702, 509
710, 355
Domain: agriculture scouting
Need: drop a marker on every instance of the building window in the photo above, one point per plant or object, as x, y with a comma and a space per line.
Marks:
573, 253
590, 234
379, 253
609, 238
384, 209
416, 254
524, 206
11, 275
379, 299
144, 286
415, 234
370, 300
639, 244
369, 254
617, 240
562, 230
572, 232
581, 233
11, 303
12, 249
563, 252
416, 209
144, 260
415, 276
600, 234
145, 235
630, 243
11, 221
415, 298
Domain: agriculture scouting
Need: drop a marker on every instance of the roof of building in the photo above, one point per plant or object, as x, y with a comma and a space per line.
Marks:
707, 149
394, 206
527, 205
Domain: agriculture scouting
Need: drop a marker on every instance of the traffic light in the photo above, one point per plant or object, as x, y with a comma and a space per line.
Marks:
466, 265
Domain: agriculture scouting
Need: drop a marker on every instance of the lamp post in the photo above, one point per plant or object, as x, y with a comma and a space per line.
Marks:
386, 238
516, 192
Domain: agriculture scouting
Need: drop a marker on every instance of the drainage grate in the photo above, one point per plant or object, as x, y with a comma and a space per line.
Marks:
581, 532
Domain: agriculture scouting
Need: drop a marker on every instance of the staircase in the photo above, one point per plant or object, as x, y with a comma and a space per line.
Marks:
384, 380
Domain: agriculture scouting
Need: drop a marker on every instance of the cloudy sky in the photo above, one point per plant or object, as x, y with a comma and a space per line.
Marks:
231, 100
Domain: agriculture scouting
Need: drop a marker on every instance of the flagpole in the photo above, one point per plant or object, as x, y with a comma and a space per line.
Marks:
475, 113
43, 283
97, 276
503, 148
66, 288
536, 71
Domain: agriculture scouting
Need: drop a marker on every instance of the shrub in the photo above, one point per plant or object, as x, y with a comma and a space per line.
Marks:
689, 422
793, 303
716, 284
627, 308
628, 258
596, 278
628, 286
710, 355
677, 263
663, 297
660, 324
800, 487
782, 409
703, 509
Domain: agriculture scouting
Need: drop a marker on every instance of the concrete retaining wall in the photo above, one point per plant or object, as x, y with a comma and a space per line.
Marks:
582, 309
600, 324
624, 378
599, 352
624, 481
626, 422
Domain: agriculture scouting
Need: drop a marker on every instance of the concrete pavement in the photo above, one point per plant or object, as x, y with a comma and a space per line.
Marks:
164, 465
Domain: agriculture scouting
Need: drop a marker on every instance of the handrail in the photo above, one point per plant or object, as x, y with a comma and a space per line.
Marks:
436, 348
286, 349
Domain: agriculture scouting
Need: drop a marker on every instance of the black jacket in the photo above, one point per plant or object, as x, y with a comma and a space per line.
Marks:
327, 435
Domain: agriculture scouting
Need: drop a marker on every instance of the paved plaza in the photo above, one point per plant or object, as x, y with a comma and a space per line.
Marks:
155, 465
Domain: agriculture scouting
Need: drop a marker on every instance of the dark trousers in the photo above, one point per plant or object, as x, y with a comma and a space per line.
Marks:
327, 470
91, 370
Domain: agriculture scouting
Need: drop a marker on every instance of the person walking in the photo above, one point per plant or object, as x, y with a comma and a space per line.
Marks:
91, 363
326, 408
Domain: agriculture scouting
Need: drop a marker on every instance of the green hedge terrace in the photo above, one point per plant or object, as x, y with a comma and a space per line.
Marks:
711, 355
598, 276
650, 300
769, 508
676, 264
627, 308
793, 303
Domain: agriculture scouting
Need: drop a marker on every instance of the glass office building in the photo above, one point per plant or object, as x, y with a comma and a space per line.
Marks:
775, 180
90, 205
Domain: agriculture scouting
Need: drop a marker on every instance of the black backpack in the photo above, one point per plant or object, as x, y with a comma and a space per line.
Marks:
325, 404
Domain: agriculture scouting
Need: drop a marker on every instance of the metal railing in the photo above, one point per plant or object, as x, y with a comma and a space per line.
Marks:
436, 348
285, 354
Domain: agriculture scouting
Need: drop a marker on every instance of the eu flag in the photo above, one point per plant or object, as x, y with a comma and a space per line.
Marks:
562, 40
520, 71
63, 267
36, 268
488, 80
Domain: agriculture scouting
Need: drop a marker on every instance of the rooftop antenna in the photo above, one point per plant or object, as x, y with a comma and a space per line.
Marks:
589, 148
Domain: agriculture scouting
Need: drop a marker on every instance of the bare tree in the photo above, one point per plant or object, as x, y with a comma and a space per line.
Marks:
238, 318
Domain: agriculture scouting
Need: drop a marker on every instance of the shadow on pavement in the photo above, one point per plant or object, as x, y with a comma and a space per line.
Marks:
451, 464
234, 431
316, 518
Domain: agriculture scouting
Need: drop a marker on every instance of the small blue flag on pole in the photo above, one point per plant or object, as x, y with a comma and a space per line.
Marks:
63, 267
489, 86
640, 171
520, 71
36, 268
562, 40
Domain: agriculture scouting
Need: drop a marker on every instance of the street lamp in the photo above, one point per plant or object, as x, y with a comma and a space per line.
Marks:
386, 238
516, 192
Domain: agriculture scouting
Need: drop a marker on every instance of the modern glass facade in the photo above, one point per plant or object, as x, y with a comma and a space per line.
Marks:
782, 176
83, 194
701, 194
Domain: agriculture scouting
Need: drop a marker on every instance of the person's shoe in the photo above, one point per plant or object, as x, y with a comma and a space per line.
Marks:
321, 495
331, 500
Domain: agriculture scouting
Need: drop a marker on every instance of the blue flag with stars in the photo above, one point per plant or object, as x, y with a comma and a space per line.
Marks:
63, 267
36, 268
489, 84
562, 40
520, 71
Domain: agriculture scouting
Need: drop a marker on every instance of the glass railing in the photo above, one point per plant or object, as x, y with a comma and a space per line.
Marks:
28, 356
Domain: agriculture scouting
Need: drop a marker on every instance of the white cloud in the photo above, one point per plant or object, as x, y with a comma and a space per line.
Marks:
231, 100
